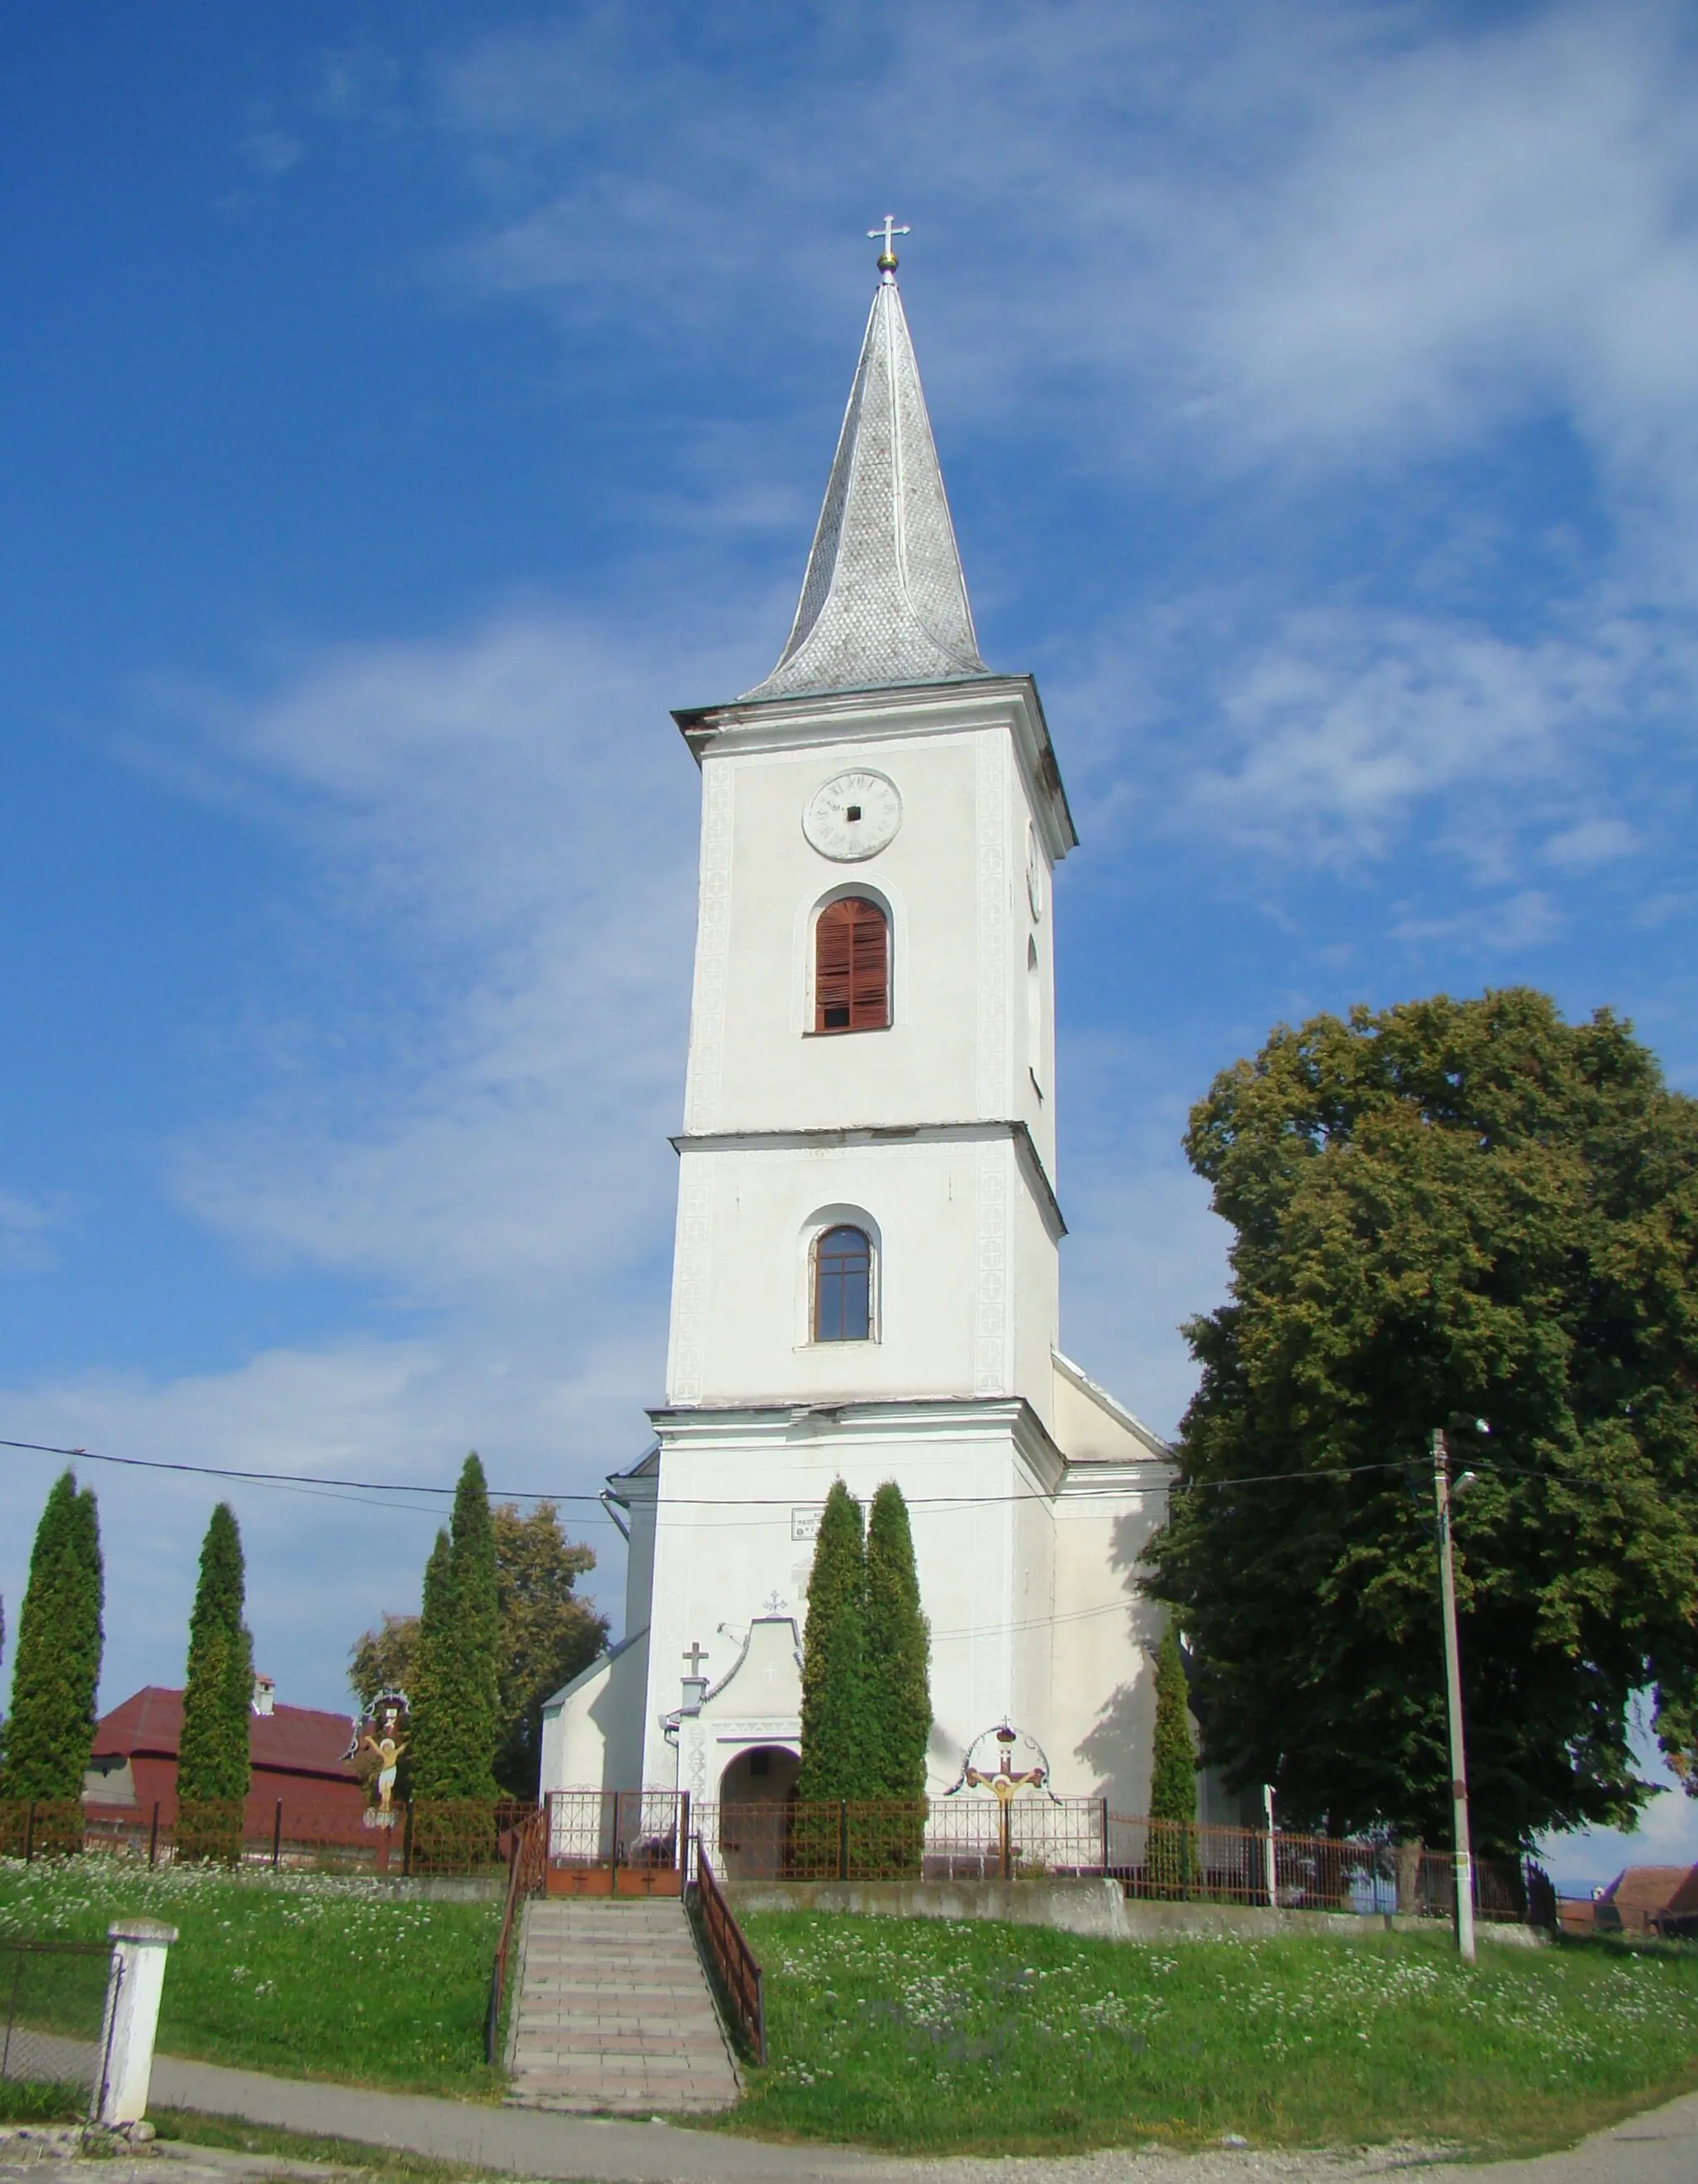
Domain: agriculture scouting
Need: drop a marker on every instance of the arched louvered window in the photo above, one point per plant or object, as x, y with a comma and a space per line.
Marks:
851, 967
842, 1286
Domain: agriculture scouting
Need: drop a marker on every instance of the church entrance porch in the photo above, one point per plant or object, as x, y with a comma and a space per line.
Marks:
617, 1842
757, 1797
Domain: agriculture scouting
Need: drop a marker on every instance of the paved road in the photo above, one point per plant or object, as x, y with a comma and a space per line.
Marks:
1661, 2147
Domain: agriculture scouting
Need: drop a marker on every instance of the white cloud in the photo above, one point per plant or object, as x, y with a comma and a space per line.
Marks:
321, 1565
1365, 234
26, 1228
1667, 1834
511, 819
1590, 842
1321, 739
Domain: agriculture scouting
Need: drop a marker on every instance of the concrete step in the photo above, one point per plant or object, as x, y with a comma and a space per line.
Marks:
613, 2013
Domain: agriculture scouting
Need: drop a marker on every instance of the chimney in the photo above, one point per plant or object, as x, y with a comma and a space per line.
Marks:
265, 1695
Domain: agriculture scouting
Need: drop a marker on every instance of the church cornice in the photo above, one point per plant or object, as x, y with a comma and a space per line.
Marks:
907, 1421
862, 1134
964, 707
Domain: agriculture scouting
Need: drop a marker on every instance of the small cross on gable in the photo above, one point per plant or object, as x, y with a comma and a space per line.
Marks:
696, 1655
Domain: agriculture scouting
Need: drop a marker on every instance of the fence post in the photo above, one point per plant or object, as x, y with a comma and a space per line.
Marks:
681, 1823
277, 1837
842, 1839
1105, 1838
1005, 1815
30, 1833
153, 1835
613, 1862
407, 1840
133, 1988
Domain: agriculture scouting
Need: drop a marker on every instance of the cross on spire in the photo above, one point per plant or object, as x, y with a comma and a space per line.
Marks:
696, 1655
888, 234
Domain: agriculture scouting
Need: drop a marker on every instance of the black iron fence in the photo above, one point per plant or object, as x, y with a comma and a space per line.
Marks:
1034, 1836
52, 1995
428, 1837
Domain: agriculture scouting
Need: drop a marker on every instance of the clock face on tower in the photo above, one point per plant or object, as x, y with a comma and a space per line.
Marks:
853, 816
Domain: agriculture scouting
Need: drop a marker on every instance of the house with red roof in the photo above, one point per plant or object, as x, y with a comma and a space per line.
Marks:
1642, 1898
299, 1756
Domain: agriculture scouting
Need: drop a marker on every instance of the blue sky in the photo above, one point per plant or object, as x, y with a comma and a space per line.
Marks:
403, 413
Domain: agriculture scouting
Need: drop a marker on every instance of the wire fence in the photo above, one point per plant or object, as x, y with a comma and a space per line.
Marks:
53, 1996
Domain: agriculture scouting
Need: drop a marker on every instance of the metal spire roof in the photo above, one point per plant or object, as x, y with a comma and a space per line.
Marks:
883, 601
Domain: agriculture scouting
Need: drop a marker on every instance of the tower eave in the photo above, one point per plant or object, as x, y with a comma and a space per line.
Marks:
918, 708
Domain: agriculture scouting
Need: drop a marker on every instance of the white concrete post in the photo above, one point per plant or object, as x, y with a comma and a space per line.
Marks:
133, 1988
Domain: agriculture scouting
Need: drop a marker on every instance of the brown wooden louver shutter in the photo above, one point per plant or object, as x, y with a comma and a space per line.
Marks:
851, 968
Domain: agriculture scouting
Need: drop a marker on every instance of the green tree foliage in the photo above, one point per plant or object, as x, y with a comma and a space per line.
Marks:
455, 1712
51, 1729
837, 1730
1446, 1206
547, 1635
218, 1699
896, 1648
435, 1638
1171, 1853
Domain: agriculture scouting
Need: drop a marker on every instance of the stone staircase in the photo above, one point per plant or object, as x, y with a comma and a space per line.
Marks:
613, 2013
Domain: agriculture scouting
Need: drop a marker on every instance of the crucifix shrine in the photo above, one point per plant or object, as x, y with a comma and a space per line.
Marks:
867, 1259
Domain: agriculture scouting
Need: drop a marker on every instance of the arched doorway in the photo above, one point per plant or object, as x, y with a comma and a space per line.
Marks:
756, 1791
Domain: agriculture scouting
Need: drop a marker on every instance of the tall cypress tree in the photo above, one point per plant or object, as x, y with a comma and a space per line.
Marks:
427, 1749
1171, 1852
457, 1717
213, 1763
837, 1733
51, 1730
898, 1652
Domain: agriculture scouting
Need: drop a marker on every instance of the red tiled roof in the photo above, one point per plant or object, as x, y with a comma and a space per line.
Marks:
289, 1741
1647, 1890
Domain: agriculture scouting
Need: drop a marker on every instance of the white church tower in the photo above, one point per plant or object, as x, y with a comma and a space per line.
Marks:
866, 1276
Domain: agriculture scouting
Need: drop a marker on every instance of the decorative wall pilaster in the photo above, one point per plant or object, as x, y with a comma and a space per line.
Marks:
990, 1329
992, 912
713, 948
692, 1267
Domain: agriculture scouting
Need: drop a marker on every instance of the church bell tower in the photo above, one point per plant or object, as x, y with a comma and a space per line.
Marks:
866, 1270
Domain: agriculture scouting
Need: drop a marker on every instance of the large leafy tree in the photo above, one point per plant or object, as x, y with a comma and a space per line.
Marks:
897, 1653
51, 1730
1450, 1207
837, 1729
213, 1765
547, 1635
456, 1711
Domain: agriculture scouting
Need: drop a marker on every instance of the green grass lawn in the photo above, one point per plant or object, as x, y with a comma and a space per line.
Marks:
307, 1975
916, 2036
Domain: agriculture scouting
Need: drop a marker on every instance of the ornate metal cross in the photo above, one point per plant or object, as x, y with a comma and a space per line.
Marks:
888, 234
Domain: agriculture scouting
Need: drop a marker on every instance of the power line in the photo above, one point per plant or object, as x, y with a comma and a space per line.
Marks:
333, 1487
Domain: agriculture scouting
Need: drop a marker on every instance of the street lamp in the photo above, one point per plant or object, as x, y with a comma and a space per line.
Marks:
1461, 1840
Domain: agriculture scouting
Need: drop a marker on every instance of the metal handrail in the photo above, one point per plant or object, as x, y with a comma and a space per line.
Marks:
739, 1975
527, 1865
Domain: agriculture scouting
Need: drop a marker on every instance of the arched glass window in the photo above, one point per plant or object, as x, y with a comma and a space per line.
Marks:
851, 967
842, 1286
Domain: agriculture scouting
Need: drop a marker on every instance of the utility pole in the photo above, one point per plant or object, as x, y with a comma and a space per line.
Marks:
1453, 1696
